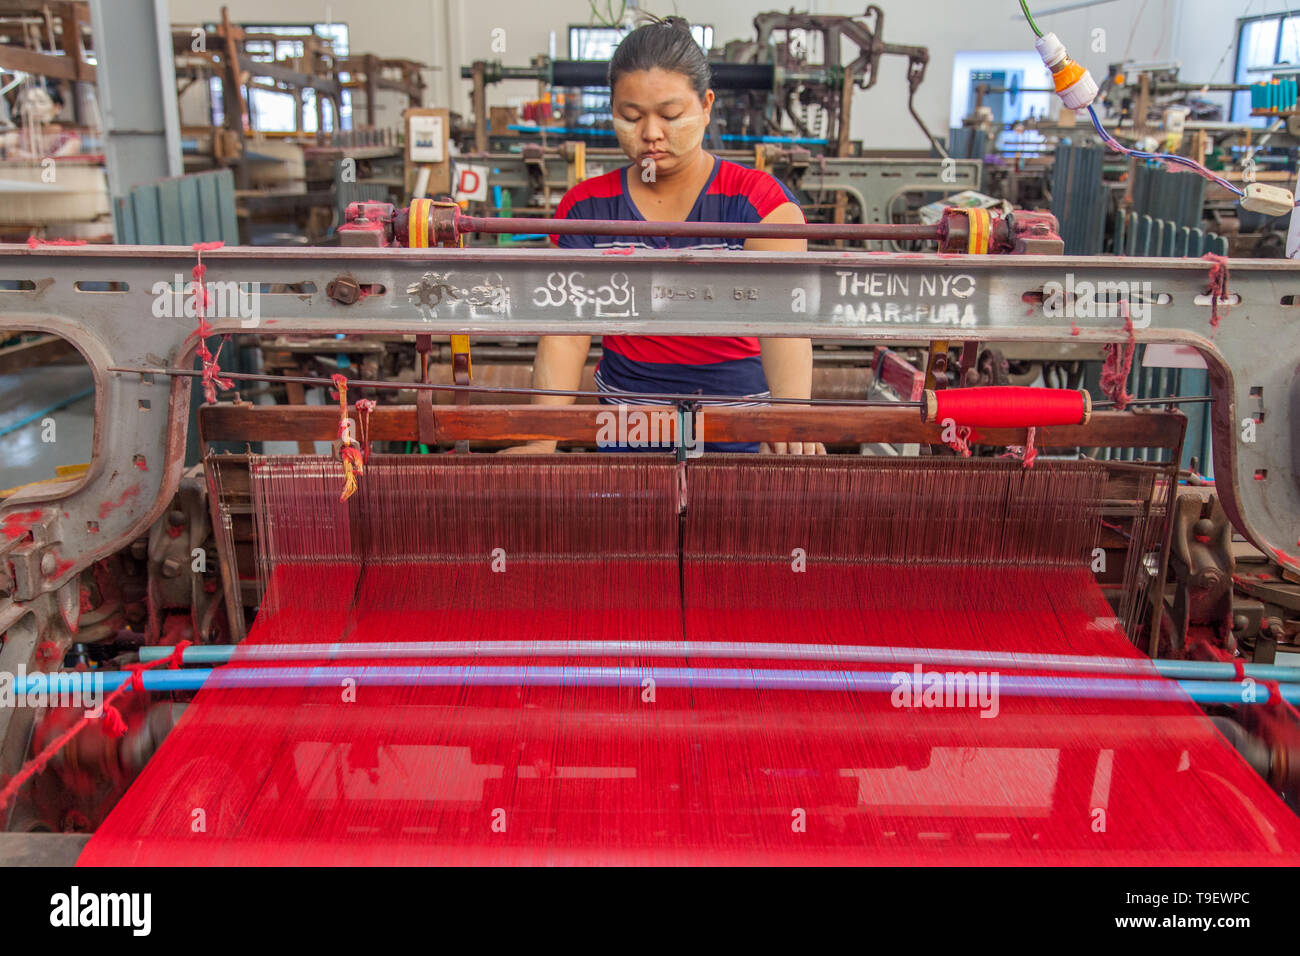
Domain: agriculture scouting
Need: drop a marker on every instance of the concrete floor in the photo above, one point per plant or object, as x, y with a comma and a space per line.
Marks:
32, 394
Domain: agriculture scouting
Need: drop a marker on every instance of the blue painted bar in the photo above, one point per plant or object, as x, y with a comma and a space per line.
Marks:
1015, 685
842, 653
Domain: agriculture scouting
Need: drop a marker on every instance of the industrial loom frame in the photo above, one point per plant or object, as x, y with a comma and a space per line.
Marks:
141, 362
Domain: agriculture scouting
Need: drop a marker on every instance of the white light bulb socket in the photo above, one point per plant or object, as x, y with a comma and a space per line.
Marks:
1081, 94
1051, 50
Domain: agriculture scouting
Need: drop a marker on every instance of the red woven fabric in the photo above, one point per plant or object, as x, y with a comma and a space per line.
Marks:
536, 775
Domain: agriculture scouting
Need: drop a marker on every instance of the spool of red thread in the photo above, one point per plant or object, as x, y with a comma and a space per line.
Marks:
1007, 406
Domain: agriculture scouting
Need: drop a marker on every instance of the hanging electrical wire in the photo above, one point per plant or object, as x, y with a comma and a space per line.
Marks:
1077, 90
1030, 17
1191, 164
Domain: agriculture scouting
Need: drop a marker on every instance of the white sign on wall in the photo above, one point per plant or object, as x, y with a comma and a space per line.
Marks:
426, 138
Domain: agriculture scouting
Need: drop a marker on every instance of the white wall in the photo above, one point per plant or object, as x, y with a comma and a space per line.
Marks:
450, 33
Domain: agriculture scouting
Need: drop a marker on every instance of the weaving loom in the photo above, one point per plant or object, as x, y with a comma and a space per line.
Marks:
657, 658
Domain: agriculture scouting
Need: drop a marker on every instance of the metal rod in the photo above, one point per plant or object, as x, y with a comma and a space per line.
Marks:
845, 653
720, 230
1168, 400
517, 390
579, 393
1208, 692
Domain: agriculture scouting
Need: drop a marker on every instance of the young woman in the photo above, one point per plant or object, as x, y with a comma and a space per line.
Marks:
660, 96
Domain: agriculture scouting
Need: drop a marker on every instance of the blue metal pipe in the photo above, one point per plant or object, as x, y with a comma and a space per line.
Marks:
1015, 685
840, 653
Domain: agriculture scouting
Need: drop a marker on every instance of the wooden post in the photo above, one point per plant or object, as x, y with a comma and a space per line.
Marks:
232, 92
372, 87
75, 52
479, 106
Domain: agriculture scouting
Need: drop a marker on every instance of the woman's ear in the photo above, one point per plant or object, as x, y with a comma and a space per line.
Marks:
708, 100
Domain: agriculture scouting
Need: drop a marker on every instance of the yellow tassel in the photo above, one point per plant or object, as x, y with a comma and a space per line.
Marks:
352, 466
349, 481
348, 451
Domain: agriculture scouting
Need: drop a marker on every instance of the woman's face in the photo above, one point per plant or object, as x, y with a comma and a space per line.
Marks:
659, 119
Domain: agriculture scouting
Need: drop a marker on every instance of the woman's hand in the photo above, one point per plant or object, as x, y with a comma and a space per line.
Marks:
558, 365
539, 447
787, 365
793, 448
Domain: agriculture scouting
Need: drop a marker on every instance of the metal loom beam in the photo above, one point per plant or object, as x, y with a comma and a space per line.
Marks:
53, 533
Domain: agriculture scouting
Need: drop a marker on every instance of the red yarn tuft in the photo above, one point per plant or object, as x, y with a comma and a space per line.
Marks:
1218, 285
174, 662
1030, 453
1119, 363
114, 725
211, 372
960, 441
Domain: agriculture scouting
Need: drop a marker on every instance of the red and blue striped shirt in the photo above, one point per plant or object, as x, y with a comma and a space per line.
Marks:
733, 193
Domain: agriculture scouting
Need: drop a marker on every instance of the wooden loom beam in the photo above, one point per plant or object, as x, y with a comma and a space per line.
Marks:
578, 424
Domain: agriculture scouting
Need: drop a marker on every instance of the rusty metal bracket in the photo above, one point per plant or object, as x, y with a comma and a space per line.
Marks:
426, 418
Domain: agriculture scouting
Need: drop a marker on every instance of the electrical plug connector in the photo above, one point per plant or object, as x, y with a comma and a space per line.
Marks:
1269, 200
1074, 84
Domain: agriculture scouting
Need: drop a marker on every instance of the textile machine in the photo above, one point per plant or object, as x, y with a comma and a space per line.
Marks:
665, 657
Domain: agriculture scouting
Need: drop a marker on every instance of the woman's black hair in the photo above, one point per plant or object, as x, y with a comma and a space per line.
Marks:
666, 44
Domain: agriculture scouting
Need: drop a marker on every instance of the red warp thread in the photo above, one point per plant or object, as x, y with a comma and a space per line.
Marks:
211, 372
1117, 366
619, 775
1218, 285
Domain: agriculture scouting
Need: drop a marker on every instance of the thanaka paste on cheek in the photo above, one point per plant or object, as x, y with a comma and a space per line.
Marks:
681, 135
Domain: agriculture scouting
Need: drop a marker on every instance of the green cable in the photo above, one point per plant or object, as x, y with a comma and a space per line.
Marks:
1030, 17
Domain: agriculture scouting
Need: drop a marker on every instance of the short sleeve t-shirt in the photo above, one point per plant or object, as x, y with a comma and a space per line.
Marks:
733, 193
